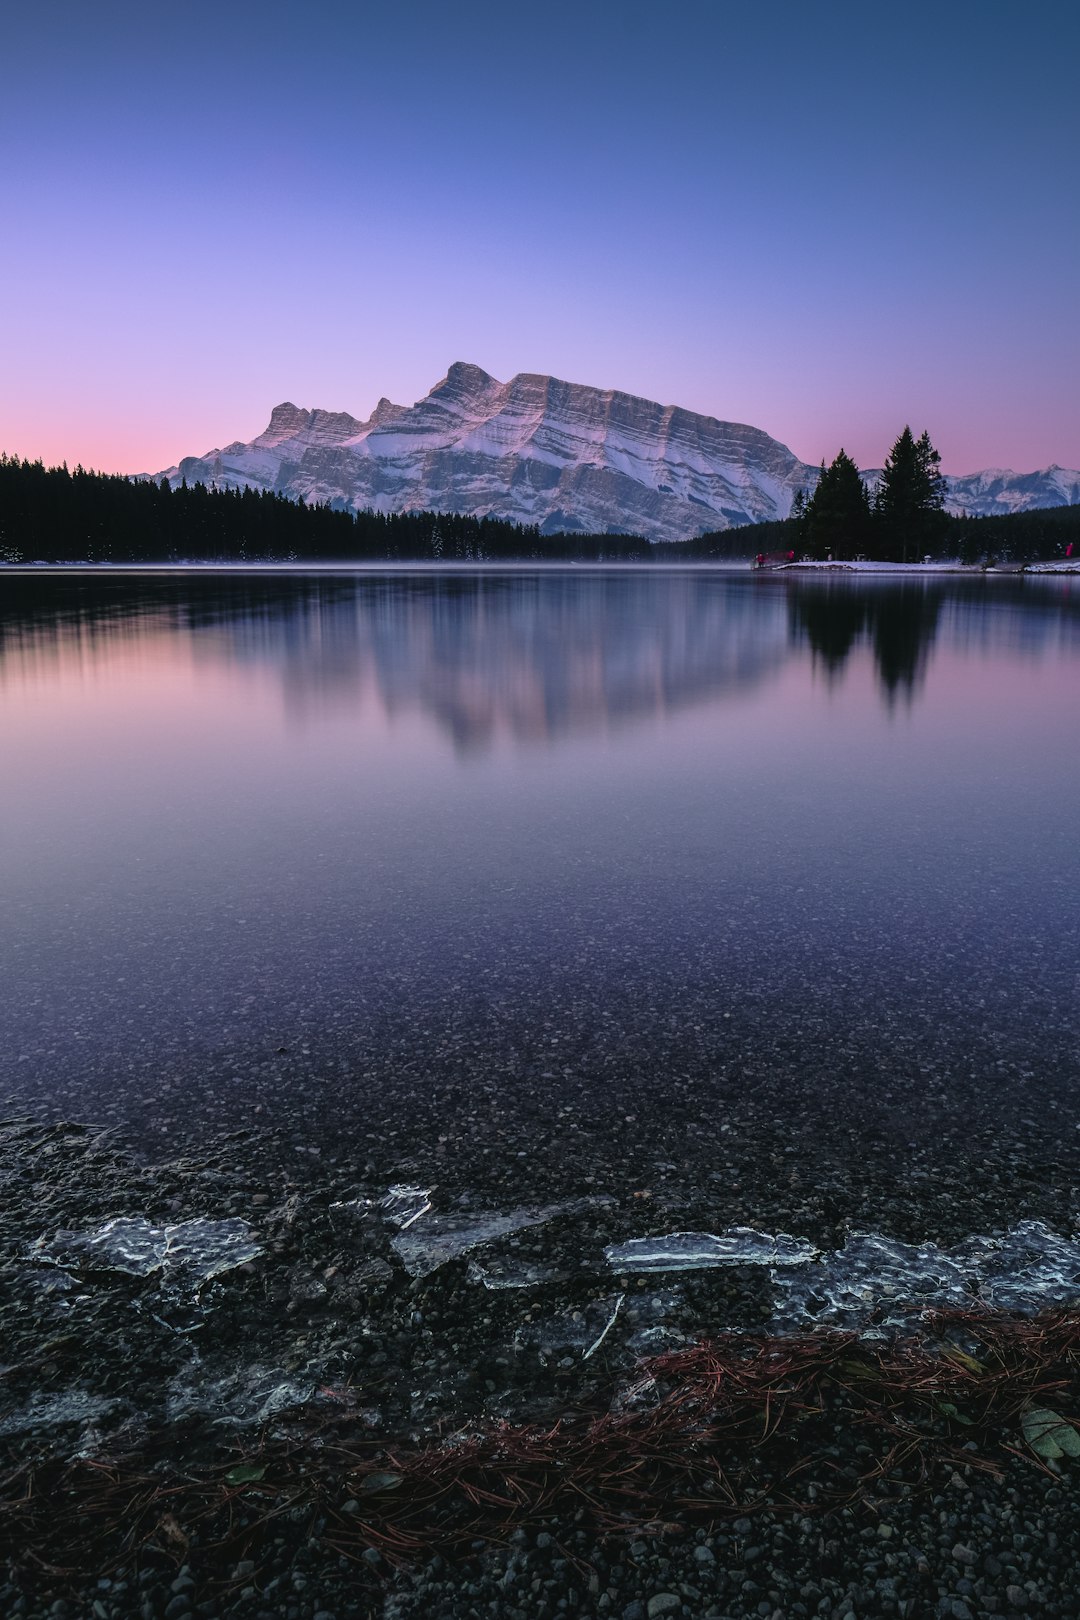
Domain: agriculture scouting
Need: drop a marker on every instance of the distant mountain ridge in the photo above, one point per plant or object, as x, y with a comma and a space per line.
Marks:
562, 456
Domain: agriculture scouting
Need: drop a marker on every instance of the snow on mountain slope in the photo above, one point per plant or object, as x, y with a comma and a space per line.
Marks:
534, 450
559, 455
998, 490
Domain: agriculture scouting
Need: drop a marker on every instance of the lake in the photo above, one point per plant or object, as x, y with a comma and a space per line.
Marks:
531, 880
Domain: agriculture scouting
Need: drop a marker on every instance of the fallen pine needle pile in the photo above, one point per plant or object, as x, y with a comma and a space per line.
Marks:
727, 1427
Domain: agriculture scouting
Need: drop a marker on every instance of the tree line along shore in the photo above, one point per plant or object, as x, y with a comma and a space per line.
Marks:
56, 515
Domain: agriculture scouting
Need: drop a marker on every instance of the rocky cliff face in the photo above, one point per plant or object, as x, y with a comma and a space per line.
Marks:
558, 455
534, 450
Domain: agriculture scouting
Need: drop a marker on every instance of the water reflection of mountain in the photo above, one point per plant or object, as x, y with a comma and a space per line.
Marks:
530, 656
526, 655
533, 657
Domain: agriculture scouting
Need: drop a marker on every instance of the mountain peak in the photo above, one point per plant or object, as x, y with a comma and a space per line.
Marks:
385, 411
466, 379
286, 419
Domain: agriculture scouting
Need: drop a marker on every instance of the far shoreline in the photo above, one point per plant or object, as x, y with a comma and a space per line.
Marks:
952, 569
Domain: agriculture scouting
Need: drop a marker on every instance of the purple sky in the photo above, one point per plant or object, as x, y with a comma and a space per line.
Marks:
823, 220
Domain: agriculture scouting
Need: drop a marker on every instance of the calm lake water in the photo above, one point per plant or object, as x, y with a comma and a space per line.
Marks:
422, 858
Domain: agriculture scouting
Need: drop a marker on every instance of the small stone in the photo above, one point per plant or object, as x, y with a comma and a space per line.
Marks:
664, 1603
634, 1610
703, 1555
372, 1556
1016, 1596
962, 1554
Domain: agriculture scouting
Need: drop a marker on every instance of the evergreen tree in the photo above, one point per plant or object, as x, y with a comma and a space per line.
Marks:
910, 499
837, 517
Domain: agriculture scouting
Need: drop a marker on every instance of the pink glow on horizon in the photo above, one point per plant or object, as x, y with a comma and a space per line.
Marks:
823, 231
108, 435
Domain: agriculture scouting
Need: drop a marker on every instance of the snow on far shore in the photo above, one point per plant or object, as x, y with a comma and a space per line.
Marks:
1063, 567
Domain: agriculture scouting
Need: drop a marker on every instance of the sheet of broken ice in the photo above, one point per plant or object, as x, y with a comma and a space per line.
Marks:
431, 1240
640, 1320
875, 1280
572, 1333
698, 1251
67, 1407
250, 1395
188, 1253
405, 1204
870, 1278
503, 1271
1031, 1268
401, 1204
651, 1322
428, 1241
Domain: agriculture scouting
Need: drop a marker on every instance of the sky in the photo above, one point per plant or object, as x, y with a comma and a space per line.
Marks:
825, 220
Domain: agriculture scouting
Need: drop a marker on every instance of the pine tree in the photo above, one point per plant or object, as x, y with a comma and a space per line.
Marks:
910, 499
837, 519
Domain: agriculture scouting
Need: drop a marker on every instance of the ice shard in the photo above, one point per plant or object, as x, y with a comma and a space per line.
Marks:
697, 1251
189, 1252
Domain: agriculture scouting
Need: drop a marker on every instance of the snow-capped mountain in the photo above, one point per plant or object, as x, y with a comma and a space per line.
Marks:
997, 490
534, 450
559, 455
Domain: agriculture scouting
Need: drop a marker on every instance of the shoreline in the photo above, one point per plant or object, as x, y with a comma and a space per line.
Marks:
324, 1345
727, 565
925, 570
732, 1463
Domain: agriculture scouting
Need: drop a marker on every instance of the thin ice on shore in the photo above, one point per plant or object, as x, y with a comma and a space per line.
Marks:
189, 1253
876, 1281
697, 1251
429, 1241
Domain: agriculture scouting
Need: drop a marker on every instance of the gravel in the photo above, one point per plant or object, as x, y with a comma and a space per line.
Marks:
422, 1354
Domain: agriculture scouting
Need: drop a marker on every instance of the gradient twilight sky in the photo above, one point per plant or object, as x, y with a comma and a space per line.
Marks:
823, 219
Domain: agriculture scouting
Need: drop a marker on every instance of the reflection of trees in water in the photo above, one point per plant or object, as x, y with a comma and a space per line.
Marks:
831, 620
900, 620
904, 628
